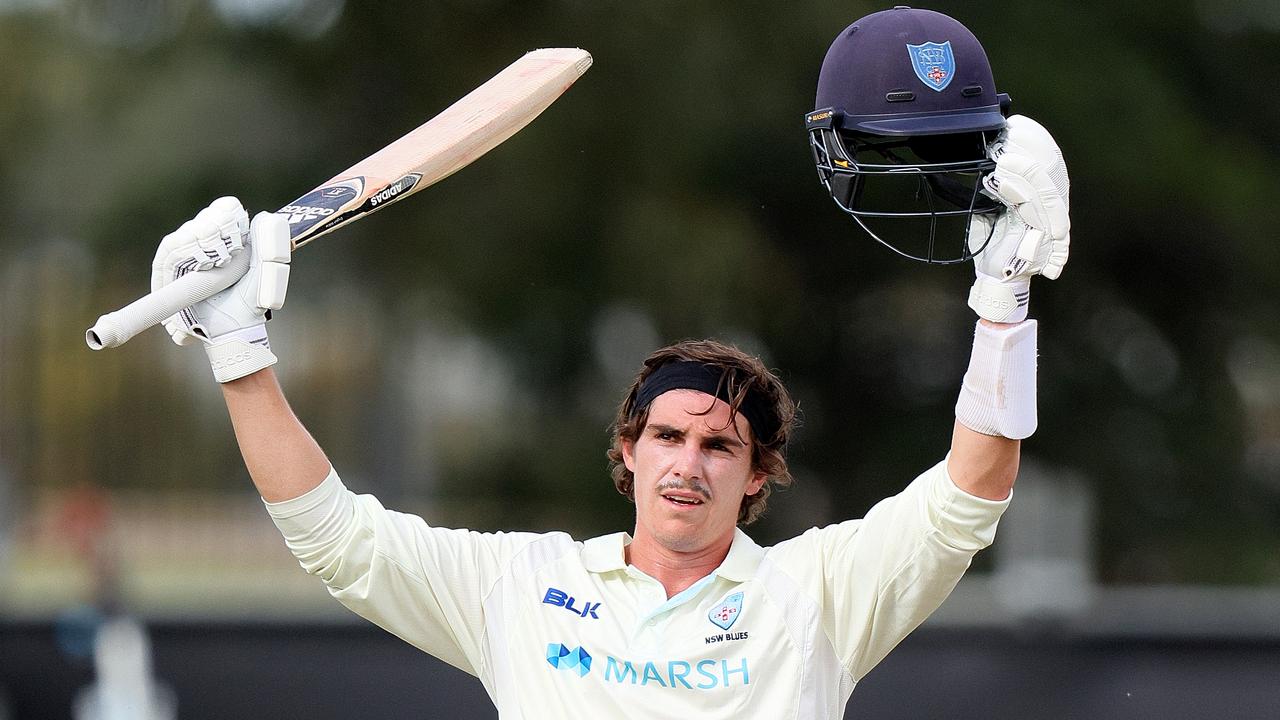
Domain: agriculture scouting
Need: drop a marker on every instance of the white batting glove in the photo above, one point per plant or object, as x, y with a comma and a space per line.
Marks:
1033, 235
232, 323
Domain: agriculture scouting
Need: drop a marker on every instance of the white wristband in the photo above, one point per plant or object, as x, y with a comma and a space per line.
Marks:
998, 396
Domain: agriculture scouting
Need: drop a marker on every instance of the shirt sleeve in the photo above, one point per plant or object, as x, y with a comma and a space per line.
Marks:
878, 578
425, 585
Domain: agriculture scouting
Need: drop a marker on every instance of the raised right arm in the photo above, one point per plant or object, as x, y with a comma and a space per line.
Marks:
283, 460
282, 457
428, 585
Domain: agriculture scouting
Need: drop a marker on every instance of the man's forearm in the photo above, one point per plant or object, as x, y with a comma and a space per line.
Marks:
1000, 401
983, 465
283, 459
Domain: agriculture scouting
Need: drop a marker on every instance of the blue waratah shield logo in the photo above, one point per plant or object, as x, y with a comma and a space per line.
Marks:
726, 613
562, 658
934, 64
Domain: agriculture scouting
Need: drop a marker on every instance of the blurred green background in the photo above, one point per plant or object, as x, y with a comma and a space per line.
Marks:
461, 355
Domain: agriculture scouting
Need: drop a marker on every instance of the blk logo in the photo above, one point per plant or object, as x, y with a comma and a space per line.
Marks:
562, 658
560, 598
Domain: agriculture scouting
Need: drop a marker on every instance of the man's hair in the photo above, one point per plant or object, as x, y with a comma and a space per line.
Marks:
740, 374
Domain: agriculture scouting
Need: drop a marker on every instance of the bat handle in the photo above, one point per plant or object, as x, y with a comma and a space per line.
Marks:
116, 328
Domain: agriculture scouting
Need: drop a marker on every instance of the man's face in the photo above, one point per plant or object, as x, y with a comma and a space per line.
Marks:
691, 471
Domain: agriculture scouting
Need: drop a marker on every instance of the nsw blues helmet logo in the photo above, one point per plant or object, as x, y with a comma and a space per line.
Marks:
934, 64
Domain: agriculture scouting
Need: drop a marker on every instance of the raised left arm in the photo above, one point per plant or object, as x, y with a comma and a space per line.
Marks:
997, 404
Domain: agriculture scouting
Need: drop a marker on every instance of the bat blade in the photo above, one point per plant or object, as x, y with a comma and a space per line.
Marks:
435, 150
440, 147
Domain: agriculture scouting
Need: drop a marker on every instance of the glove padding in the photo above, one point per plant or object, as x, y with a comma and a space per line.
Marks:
1033, 235
232, 323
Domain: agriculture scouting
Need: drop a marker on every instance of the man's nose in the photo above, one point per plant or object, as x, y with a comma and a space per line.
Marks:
688, 463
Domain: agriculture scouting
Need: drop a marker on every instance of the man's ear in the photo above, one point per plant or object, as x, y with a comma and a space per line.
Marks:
629, 454
756, 482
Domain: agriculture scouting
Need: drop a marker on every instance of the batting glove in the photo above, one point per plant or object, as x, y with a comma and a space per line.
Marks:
1033, 235
231, 324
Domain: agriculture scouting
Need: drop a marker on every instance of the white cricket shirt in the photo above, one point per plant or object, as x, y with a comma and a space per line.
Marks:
557, 628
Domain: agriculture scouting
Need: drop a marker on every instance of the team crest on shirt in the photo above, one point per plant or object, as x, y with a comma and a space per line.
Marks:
726, 613
934, 63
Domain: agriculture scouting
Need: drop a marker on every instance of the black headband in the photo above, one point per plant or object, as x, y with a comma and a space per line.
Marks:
691, 375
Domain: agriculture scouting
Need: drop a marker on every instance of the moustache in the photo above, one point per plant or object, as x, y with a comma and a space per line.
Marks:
692, 486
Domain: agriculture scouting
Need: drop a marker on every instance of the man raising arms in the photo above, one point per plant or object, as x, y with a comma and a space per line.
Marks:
686, 616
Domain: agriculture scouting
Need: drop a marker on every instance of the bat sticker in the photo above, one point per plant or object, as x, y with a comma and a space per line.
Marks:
321, 204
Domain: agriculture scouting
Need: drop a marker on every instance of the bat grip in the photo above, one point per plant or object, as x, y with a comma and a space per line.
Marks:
116, 328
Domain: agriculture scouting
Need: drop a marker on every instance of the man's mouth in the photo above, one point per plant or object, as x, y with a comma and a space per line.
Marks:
682, 500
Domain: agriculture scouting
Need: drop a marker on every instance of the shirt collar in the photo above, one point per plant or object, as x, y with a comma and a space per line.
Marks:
743, 558
606, 553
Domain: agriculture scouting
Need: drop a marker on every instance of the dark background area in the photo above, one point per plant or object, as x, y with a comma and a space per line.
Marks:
264, 670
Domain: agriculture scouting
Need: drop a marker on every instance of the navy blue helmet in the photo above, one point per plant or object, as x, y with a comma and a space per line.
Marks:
906, 107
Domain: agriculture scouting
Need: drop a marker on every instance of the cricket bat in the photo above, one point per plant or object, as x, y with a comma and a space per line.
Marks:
438, 148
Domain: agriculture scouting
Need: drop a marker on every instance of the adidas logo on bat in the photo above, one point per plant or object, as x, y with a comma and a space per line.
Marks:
391, 191
303, 213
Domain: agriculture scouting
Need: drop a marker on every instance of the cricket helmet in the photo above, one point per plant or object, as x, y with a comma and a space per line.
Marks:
906, 107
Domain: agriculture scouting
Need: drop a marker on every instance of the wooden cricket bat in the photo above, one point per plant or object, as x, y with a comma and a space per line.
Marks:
435, 150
